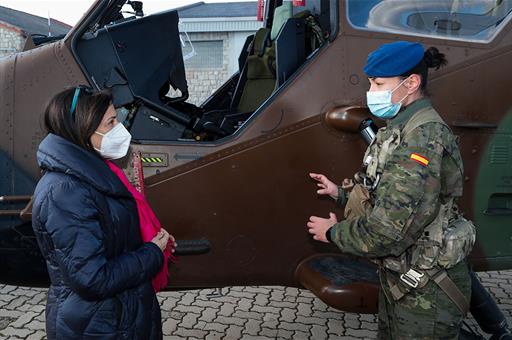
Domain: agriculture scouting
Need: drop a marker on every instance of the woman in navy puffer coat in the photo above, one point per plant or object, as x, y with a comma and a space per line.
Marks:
87, 227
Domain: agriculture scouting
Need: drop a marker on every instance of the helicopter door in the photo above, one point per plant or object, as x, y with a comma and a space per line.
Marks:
493, 198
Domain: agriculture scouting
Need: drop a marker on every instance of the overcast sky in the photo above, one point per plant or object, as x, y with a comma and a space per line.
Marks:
70, 11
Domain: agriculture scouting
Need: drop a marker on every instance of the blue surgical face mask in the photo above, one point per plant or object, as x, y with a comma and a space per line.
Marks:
380, 104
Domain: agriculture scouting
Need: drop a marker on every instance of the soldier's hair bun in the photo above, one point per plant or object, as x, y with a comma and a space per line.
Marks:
433, 58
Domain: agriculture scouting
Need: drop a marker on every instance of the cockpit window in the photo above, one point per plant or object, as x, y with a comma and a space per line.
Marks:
468, 20
199, 73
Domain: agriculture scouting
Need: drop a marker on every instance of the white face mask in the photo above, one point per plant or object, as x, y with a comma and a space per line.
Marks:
115, 143
380, 104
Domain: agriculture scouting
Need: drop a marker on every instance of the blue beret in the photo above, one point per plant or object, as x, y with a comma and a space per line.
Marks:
394, 59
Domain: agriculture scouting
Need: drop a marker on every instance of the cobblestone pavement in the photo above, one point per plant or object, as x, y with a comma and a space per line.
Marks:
238, 313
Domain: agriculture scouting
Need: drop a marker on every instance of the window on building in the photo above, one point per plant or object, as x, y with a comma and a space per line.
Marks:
469, 20
204, 54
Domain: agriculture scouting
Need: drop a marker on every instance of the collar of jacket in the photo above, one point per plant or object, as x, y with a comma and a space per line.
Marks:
60, 155
404, 115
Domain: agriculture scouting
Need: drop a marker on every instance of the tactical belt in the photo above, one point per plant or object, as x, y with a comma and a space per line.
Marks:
413, 279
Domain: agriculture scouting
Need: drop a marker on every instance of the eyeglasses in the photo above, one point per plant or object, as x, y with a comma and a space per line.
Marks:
78, 89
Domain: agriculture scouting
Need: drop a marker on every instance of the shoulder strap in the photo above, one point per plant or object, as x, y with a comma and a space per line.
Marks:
423, 116
441, 278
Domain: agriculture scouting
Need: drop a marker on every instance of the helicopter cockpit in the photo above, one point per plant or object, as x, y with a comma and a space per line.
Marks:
140, 59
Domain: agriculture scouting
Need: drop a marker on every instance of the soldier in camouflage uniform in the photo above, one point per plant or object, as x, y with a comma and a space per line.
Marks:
405, 205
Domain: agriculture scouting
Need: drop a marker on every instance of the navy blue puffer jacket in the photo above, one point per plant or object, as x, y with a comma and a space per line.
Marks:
87, 226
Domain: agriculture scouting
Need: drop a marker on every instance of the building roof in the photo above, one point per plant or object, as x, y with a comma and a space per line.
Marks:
32, 24
219, 10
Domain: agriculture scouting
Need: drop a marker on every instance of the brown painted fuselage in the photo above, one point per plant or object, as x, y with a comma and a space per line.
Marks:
240, 203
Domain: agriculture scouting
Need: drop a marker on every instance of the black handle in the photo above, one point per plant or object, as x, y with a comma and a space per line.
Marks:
499, 204
497, 212
192, 247
474, 125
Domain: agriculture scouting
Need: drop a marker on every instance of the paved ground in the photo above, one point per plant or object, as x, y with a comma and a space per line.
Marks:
239, 313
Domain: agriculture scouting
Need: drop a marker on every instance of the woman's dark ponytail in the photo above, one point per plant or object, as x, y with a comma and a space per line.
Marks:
433, 58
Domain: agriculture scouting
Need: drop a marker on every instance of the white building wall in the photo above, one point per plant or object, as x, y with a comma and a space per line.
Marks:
202, 82
11, 40
237, 43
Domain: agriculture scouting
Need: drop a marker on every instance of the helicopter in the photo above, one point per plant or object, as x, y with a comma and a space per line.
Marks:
228, 177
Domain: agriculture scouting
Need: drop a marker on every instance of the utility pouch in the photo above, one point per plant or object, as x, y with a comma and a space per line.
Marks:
359, 202
459, 238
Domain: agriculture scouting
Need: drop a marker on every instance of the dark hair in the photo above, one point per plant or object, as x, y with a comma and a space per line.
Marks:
77, 126
432, 58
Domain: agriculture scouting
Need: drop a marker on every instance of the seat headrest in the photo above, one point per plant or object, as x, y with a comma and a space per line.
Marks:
281, 15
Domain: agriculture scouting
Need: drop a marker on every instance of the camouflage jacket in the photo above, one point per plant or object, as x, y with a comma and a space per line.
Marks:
424, 170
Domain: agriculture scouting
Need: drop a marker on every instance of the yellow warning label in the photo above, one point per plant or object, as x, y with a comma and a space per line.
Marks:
152, 160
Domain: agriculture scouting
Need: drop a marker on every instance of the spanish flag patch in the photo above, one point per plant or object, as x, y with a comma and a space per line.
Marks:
419, 159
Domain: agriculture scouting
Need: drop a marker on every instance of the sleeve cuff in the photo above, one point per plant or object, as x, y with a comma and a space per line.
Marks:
328, 235
342, 197
156, 250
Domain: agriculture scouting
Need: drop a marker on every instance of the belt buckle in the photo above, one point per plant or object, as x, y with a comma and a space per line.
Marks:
411, 278
369, 184
376, 182
366, 182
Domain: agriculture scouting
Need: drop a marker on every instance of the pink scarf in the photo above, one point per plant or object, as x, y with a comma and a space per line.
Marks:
149, 226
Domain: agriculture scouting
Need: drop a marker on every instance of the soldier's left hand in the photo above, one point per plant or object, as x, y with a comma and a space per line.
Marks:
318, 226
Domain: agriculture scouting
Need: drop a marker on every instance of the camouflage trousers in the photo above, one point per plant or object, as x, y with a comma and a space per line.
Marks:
426, 313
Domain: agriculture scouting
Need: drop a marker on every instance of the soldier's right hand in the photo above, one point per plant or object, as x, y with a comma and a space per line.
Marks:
326, 187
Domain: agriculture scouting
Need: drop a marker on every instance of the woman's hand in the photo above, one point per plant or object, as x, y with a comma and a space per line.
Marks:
326, 186
172, 243
161, 239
